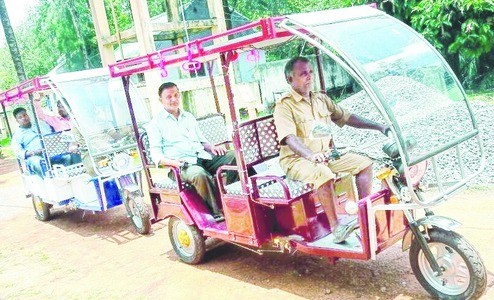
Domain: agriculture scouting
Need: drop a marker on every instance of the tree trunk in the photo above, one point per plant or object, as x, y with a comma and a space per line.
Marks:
12, 43
70, 7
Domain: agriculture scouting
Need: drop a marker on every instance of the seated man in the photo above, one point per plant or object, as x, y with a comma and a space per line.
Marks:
26, 142
175, 139
302, 154
60, 122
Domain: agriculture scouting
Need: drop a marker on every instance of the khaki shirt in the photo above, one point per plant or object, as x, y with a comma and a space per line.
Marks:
293, 114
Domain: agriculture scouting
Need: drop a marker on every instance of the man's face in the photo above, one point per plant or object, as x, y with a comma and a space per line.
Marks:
301, 77
170, 98
23, 119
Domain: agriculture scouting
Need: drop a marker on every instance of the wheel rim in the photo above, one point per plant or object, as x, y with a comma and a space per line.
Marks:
456, 276
134, 213
38, 206
183, 238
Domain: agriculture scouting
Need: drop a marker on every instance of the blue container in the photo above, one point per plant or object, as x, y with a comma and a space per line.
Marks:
113, 197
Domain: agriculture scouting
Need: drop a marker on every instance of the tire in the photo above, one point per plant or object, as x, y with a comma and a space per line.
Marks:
138, 212
41, 209
187, 241
464, 274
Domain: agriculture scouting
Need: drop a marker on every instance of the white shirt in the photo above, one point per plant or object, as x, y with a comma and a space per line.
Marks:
179, 139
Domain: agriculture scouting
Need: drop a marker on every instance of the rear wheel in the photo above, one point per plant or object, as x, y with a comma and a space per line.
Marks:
187, 241
41, 209
138, 212
463, 272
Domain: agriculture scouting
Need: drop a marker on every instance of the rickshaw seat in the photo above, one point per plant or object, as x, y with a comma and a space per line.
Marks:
214, 129
54, 144
259, 141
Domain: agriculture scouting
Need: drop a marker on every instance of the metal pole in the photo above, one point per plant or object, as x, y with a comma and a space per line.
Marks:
225, 63
135, 128
320, 70
9, 130
213, 86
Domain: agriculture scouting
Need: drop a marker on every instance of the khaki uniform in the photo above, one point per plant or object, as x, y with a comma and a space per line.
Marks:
296, 115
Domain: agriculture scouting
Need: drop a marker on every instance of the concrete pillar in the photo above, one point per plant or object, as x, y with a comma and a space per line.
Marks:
102, 30
145, 39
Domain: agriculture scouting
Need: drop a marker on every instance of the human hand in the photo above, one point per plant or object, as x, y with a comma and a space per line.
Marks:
218, 150
34, 152
317, 157
74, 148
386, 131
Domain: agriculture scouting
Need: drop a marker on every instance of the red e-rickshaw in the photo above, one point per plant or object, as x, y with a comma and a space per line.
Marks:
392, 76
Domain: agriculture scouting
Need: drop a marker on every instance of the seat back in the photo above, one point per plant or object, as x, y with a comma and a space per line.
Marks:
214, 129
259, 140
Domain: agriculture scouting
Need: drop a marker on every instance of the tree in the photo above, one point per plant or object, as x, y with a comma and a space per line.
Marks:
462, 30
11, 42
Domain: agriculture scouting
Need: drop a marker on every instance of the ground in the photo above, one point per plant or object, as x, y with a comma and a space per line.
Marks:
99, 256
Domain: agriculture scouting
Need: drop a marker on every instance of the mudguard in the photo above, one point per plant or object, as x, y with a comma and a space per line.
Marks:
437, 221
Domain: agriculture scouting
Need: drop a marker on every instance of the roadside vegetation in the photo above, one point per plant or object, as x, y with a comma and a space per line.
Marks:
62, 30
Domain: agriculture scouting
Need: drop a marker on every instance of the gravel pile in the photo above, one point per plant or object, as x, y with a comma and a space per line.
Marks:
433, 121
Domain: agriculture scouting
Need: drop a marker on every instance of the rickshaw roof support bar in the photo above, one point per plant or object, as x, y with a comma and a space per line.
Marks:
268, 31
320, 70
210, 65
6, 120
26, 87
135, 129
225, 63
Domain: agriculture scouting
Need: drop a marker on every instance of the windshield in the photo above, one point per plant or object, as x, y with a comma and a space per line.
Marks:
409, 77
99, 106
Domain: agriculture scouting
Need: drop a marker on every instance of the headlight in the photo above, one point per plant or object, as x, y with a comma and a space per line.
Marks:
120, 161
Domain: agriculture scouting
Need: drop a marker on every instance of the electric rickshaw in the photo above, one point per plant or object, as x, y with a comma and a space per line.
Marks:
393, 76
107, 171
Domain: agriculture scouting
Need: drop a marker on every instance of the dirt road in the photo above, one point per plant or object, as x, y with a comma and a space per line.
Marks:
99, 256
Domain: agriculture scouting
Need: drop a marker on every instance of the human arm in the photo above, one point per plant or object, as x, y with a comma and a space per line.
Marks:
364, 123
23, 147
215, 149
300, 149
50, 120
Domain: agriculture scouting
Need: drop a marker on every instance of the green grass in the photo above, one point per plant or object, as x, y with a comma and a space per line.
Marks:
487, 96
5, 149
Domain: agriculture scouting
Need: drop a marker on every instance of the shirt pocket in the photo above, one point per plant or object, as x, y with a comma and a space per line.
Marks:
304, 125
324, 115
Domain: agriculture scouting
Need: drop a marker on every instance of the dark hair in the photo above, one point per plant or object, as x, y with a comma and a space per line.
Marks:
18, 110
166, 85
291, 62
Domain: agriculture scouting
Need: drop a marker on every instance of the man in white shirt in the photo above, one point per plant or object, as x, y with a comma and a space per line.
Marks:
176, 140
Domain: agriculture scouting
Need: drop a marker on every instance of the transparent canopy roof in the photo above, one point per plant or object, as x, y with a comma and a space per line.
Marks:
400, 72
99, 107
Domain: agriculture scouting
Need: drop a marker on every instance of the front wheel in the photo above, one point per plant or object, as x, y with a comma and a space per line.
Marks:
41, 209
138, 212
187, 241
464, 275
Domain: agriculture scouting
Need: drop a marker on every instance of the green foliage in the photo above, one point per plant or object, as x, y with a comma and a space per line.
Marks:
463, 30
8, 77
254, 10
453, 26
